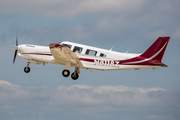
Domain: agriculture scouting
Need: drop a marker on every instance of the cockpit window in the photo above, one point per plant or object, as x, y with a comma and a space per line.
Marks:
77, 49
67, 45
102, 55
91, 52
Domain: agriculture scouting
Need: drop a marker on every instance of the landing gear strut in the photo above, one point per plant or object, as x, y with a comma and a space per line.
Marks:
27, 68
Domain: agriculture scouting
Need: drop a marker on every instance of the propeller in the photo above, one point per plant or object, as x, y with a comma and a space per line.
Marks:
16, 39
14, 56
16, 49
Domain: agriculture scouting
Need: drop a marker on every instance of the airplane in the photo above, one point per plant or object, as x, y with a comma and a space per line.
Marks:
76, 55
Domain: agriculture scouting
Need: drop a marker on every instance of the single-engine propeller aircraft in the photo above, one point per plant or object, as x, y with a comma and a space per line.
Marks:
79, 56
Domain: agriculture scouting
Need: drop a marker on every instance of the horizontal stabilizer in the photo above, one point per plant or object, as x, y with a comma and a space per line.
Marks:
158, 64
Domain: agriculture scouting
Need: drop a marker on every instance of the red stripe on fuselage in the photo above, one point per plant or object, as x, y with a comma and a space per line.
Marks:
138, 61
38, 54
132, 61
86, 59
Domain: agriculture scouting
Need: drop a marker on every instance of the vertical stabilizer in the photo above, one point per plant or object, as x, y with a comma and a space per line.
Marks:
157, 49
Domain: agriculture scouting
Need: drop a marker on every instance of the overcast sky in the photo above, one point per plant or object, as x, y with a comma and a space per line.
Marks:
45, 94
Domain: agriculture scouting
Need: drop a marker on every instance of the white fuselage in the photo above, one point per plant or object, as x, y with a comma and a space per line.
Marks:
90, 57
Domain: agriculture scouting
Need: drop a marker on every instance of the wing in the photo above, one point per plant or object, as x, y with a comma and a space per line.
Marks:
62, 54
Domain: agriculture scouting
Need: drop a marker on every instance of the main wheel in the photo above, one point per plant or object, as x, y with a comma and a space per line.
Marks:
74, 76
65, 73
27, 69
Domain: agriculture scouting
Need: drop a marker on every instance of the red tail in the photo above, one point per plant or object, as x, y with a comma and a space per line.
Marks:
157, 49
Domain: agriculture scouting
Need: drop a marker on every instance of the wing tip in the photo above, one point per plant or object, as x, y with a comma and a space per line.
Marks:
54, 45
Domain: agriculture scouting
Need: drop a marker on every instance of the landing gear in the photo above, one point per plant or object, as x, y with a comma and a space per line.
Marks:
74, 76
65, 73
27, 68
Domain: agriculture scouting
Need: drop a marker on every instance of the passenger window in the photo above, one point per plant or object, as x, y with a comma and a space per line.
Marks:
91, 52
67, 45
77, 49
102, 55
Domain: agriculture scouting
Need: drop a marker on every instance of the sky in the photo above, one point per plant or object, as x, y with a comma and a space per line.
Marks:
45, 94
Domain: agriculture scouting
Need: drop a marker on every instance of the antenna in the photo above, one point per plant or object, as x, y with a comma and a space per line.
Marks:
112, 48
128, 50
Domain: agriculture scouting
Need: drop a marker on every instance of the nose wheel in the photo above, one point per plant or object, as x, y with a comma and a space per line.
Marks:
27, 69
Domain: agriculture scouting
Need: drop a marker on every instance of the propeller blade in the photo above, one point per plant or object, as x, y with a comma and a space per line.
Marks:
14, 56
15, 48
16, 39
